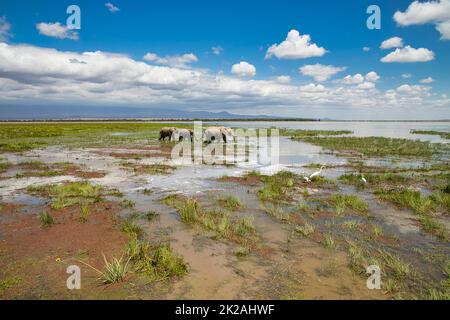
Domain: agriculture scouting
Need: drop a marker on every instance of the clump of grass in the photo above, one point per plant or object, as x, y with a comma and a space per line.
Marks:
230, 202
127, 203
151, 215
131, 228
241, 251
390, 286
306, 229
167, 263
158, 262
276, 212
244, 226
114, 270
84, 212
377, 231
4, 166
342, 202
351, 224
358, 260
329, 270
9, 283
277, 187
400, 268
190, 211
330, 242
46, 219
69, 194
156, 169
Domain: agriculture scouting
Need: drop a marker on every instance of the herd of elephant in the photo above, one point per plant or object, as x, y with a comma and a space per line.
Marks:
211, 134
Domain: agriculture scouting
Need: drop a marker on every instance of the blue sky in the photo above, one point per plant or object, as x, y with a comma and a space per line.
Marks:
244, 30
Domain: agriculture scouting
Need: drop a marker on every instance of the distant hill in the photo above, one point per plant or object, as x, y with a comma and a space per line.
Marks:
66, 113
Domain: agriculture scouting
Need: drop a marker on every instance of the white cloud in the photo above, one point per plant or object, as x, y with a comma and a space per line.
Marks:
409, 54
424, 12
283, 79
5, 28
295, 46
372, 76
366, 49
320, 72
243, 69
444, 29
56, 30
31, 74
112, 8
427, 80
394, 42
412, 90
406, 75
436, 12
179, 61
217, 50
349, 79
366, 86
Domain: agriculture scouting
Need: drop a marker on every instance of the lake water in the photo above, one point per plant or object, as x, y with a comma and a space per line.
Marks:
360, 129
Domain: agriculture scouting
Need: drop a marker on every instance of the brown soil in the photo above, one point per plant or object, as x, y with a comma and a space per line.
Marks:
38, 256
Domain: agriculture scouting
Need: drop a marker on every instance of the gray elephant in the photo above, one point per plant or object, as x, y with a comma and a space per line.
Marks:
182, 135
218, 134
166, 132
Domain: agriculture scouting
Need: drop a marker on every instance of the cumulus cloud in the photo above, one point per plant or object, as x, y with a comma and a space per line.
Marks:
217, 50
394, 42
112, 8
349, 79
358, 78
427, 80
5, 28
372, 76
366, 85
283, 79
412, 90
444, 29
31, 74
179, 61
296, 46
366, 49
409, 54
320, 72
56, 30
243, 69
435, 12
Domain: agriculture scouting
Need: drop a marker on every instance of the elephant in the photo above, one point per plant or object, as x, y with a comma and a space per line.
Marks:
166, 132
182, 135
218, 134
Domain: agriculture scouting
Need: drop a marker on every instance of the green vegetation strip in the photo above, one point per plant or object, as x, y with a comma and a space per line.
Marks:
17, 137
378, 146
442, 134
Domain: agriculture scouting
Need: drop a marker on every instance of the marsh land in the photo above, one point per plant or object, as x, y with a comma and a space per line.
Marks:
109, 198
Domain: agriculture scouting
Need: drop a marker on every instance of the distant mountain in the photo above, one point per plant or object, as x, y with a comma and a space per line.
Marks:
65, 112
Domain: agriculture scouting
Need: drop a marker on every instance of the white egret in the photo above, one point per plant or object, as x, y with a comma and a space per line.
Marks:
363, 180
315, 174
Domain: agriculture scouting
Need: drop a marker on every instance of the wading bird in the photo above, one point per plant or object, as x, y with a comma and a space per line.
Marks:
315, 174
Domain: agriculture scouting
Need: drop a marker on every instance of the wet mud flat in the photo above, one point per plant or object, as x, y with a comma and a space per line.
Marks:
221, 231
